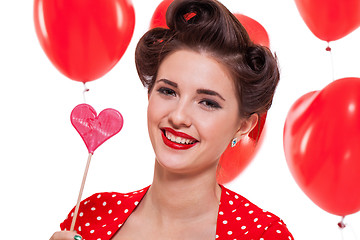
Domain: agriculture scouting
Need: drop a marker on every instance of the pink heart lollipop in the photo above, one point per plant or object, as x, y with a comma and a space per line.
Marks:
93, 129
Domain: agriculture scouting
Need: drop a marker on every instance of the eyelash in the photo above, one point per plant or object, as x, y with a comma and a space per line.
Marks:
210, 104
166, 91
207, 103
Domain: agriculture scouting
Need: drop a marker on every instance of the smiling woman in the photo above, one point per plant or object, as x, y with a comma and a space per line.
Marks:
207, 83
194, 95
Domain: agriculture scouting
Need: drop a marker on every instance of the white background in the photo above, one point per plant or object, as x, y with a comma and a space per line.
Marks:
43, 158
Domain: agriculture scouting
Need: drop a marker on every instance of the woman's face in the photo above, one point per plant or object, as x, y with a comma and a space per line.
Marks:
192, 113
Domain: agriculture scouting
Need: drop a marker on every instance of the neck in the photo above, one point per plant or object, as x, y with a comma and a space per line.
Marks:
178, 197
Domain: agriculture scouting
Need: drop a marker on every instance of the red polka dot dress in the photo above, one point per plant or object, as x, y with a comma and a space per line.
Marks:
102, 215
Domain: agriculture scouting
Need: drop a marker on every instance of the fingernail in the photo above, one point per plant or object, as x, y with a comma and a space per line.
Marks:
77, 237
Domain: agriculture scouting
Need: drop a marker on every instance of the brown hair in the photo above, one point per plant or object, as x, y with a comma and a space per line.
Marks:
208, 26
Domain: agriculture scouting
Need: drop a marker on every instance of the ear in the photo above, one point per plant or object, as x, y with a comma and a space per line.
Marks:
246, 125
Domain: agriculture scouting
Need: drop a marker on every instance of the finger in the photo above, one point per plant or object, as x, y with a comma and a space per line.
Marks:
65, 235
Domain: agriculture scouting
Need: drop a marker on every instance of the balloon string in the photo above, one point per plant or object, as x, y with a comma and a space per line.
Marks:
331, 61
80, 193
342, 227
84, 92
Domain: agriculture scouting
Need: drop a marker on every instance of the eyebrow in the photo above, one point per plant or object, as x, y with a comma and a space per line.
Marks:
209, 92
168, 82
199, 91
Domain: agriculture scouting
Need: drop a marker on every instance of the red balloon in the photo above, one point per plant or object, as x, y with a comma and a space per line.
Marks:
255, 30
321, 144
235, 159
84, 39
159, 17
330, 20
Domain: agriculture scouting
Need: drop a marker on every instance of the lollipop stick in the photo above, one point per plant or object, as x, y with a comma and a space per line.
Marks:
80, 193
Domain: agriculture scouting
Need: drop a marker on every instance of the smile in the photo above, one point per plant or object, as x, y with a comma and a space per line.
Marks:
177, 140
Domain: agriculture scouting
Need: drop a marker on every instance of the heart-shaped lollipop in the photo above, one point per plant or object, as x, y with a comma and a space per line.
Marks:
93, 129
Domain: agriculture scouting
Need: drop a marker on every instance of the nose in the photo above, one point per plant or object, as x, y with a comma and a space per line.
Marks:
180, 115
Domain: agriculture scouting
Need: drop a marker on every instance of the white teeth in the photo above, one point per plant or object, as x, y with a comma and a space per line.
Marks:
180, 140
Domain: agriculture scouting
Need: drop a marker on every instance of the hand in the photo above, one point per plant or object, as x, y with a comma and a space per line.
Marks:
65, 235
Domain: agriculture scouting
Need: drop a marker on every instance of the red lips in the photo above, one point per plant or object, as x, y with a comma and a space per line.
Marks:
174, 145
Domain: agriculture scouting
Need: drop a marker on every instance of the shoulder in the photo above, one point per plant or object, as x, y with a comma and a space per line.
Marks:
240, 218
103, 209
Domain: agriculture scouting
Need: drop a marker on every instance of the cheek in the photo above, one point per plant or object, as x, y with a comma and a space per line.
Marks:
156, 111
219, 130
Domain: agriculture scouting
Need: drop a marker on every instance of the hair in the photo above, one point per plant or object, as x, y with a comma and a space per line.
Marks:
208, 26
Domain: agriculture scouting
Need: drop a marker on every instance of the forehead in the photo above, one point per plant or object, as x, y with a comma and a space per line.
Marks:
196, 68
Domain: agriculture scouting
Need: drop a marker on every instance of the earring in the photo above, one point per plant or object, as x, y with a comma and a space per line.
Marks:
234, 142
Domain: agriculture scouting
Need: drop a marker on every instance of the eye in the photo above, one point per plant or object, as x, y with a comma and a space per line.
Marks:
210, 104
167, 91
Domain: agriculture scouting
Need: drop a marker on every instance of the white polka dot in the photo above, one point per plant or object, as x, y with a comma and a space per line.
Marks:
256, 219
99, 196
119, 225
251, 212
280, 223
247, 204
227, 193
98, 218
115, 219
87, 224
278, 231
246, 232
93, 209
217, 236
233, 210
104, 203
79, 228
109, 233
136, 203
92, 231
119, 202
266, 228
261, 239
238, 218
135, 193
229, 232
72, 214
141, 190
236, 196
86, 202
126, 210
259, 226
98, 239
81, 214
290, 238
126, 195
225, 222
269, 215
231, 202
114, 195
104, 225
110, 211
243, 227
221, 213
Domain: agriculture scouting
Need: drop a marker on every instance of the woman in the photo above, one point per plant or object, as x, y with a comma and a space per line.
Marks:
207, 83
